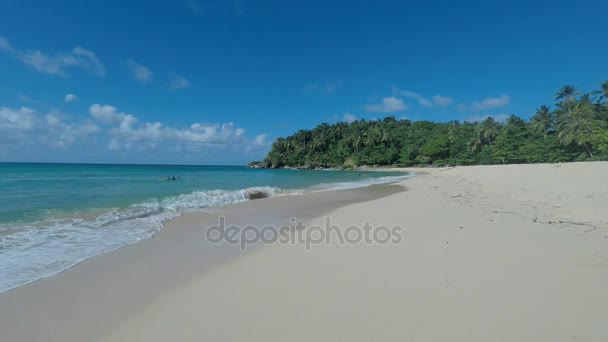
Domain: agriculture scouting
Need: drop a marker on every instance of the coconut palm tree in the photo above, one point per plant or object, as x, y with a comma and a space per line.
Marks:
587, 98
489, 129
603, 93
605, 90
475, 145
543, 120
578, 127
453, 131
566, 93
386, 138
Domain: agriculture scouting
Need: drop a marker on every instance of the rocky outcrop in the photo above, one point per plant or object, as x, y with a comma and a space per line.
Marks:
258, 165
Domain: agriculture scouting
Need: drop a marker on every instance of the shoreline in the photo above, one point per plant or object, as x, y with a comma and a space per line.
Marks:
117, 275
164, 217
490, 253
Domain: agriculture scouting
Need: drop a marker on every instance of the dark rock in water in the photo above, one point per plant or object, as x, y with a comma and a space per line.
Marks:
253, 195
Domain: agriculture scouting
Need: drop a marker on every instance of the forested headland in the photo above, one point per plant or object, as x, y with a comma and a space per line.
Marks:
572, 129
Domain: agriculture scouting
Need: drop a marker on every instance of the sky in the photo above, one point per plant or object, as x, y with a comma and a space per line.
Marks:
215, 82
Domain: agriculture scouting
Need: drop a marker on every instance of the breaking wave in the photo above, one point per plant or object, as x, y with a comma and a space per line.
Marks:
34, 250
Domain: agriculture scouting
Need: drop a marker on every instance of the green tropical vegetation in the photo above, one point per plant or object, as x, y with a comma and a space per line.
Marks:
575, 129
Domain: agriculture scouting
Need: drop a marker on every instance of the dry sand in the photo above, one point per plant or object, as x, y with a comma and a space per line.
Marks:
490, 253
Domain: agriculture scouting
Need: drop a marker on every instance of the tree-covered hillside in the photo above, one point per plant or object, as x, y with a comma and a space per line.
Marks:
574, 129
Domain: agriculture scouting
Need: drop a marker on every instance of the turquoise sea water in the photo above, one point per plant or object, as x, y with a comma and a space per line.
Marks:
53, 216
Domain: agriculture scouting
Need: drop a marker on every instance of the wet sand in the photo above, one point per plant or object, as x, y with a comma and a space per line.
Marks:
86, 301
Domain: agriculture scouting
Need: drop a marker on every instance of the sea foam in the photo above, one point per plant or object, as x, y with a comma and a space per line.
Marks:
34, 250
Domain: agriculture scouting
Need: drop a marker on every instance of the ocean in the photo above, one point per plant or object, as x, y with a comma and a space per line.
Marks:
53, 216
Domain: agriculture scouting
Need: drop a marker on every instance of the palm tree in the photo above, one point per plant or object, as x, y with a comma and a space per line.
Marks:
386, 138
302, 136
453, 131
603, 93
475, 144
568, 94
605, 90
489, 129
578, 127
357, 142
337, 133
587, 98
543, 120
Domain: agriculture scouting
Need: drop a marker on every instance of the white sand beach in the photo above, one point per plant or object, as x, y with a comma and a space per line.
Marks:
490, 253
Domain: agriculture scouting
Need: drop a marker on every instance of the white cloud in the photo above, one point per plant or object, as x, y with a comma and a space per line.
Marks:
62, 133
21, 119
178, 82
129, 132
88, 60
388, 105
70, 98
442, 101
348, 117
261, 140
479, 118
58, 64
490, 103
437, 100
132, 131
25, 126
25, 129
415, 96
106, 114
141, 73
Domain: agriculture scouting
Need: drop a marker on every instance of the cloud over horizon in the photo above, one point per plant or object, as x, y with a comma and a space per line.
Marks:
25, 128
128, 132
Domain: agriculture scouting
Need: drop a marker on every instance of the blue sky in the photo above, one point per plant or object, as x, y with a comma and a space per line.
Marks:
215, 82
